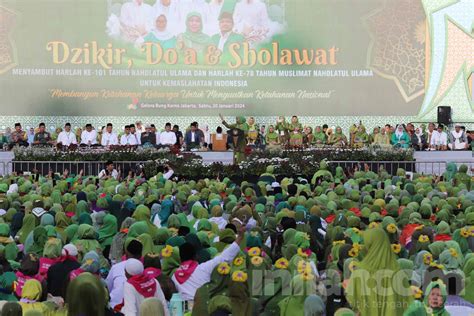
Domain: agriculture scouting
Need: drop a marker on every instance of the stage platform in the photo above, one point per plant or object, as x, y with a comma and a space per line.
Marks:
434, 162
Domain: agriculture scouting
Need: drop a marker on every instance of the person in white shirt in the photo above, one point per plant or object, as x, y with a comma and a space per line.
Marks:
89, 136
128, 139
136, 134
116, 277
138, 287
109, 172
214, 11
139, 127
168, 8
168, 137
109, 137
136, 19
67, 137
458, 139
439, 139
190, 275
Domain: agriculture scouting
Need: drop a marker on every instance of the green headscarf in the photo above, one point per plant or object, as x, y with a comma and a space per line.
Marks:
439, 311
171, 263
108, 230
40, 236
199, 37
86, 239
86, 296
29, 224
147, 242
71, 233
294, 304
142, 213
379, 257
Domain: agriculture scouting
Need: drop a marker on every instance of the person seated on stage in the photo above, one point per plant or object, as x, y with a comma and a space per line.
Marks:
193, 37
89, 136
410, 130
179, 136
458, 139
470, 137
135, 133
160, 34
18, 136
193, 139
272, 138
418, 140
308, 136
109, 171
429, 133
219, 140
42, 137
400, 138
439, 139
320, 138
296, 137
226, 36
128, 139
167, 137
67, 137
136, 19
361, 139
109, 138
205, 134
148, 137
381, 138
337, 139
139, 127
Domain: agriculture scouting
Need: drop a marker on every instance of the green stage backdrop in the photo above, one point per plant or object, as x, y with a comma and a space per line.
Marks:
313, 57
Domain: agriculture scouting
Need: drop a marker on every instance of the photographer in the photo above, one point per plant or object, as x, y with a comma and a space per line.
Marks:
109, 172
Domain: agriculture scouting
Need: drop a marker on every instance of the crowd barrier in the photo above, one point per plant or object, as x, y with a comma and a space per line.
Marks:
92, 168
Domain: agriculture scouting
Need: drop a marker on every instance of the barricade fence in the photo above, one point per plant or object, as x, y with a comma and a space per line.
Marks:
92, 168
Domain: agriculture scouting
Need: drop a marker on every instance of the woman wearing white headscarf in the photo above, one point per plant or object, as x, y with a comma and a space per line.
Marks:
160, 34
400, 138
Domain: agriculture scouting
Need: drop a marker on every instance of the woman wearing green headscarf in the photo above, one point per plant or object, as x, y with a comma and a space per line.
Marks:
239, 294
29, 223
171, 261
314, 306
86, 240
71, 233
320, 139
361, 138
469, 279
271, 138
337, 139
390, 299
35, 243
86, 296
11, 249
433, 302
62, 222
142, 213
301, 288
107, 231
216, 286
31, 296
194, 37
147, 242
81, 208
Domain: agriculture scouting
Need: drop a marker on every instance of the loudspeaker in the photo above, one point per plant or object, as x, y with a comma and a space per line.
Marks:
444, 115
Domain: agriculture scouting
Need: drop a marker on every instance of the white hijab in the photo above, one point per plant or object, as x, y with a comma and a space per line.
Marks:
399, 133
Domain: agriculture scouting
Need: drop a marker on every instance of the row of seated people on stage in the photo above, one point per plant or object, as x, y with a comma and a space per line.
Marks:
290, 134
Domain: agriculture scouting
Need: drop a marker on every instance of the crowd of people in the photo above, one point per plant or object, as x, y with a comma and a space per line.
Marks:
194, 24
286, 134
365, 243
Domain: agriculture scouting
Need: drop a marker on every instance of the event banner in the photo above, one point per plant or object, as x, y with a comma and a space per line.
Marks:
198, 57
